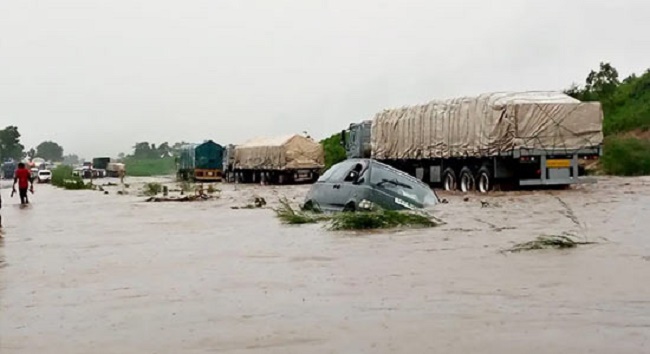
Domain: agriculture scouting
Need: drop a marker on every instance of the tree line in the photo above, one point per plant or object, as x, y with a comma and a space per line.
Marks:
11, 147
626, 108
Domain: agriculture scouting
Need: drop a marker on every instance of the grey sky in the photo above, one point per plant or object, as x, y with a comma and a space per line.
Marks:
98, 75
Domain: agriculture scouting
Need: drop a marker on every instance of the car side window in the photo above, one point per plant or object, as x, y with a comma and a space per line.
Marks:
355, 173
337, 172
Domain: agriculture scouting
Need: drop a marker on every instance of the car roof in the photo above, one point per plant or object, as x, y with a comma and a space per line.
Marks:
392, 169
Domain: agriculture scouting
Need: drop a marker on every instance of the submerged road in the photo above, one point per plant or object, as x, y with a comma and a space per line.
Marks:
83, 272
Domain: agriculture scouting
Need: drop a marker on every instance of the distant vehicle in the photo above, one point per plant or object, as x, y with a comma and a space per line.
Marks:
8, 169
83, 172
101, 163
201, 163
34, 172
361, 184
113, 169
477, 143
280, 160
44, 176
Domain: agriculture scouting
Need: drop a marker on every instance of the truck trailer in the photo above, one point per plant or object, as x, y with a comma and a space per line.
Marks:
280, 160
201, 162
508, 139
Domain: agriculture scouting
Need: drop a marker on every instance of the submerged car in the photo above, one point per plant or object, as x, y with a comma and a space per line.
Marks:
363, 184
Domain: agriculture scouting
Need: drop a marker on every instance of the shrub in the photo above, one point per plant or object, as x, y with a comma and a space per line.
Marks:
152, 189
62, 177
379, 219
625, 156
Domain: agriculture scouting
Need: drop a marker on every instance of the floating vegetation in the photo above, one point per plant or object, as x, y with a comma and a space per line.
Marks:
381, 219
548, 242
366, 220
152, 189
290, 216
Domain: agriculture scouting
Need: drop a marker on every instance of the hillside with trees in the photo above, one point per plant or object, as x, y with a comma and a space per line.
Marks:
626, 105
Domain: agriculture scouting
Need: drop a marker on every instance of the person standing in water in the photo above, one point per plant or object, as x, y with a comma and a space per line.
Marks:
25, 181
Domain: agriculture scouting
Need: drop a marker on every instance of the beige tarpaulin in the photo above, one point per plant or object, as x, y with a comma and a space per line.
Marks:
281, 153
487, 125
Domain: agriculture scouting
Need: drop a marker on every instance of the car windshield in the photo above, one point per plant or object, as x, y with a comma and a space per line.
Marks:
338, 172
402, 185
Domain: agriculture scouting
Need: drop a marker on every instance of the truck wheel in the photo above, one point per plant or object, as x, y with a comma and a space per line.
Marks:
467, 180
484, 184
449, 180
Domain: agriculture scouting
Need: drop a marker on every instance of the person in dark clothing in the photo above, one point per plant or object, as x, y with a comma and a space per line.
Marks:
23, 177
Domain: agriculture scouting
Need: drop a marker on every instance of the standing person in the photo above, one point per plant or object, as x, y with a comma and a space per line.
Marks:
25, 181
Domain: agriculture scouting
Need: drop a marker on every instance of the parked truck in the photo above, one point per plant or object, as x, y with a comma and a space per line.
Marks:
510, 139
201, 162
115, 169
281, 160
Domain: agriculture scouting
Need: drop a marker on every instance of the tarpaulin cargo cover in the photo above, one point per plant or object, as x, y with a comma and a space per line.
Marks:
281, 153
487, 125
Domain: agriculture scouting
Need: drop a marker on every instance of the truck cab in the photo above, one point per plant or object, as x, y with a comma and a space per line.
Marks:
356, 140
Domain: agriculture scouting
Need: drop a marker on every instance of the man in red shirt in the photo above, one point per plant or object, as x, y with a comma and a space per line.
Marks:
24, 179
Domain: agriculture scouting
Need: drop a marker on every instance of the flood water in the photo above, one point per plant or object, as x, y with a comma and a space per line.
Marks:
84, 272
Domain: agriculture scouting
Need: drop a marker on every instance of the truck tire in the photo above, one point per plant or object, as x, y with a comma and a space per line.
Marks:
467, 180
485, 180
449, 181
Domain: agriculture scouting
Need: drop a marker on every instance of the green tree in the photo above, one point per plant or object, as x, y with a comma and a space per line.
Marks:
164, 150
334, 151
143, 151
10, 147
31, 153
50, 151
602, 84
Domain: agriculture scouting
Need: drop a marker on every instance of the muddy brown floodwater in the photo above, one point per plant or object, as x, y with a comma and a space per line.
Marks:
83, 272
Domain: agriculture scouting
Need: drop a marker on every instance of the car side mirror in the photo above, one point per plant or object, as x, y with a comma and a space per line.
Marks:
343, 140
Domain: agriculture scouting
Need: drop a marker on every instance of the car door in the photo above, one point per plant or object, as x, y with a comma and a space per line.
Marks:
345, 189
324, 191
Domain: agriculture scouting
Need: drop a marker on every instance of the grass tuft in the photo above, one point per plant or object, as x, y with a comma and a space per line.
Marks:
289, 215
370, 220
151, 189
547, 242
380, 219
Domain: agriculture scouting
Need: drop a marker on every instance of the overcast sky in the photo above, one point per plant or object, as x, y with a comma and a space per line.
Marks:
98, 75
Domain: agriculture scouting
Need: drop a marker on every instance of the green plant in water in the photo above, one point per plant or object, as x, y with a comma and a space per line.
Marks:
547, 242
152, 189
380, 219
369, 220
62, 177
212, 190
288, 215
186, 186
